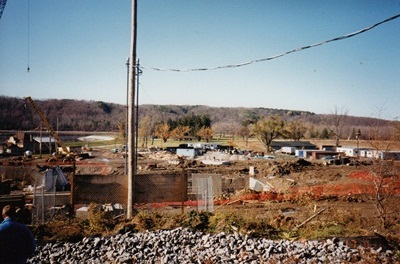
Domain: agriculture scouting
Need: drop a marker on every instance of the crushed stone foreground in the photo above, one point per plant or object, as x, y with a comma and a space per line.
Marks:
183, 245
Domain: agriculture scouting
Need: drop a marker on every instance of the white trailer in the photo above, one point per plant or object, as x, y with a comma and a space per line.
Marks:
288, 150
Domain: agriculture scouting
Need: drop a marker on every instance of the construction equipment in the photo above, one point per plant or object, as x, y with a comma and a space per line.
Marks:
48, 126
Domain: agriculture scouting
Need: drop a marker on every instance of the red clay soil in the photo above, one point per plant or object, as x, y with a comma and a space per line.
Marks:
358, 183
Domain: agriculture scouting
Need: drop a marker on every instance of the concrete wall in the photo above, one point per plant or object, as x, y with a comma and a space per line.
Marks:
100, 189
233, 183
160, 188
148, 188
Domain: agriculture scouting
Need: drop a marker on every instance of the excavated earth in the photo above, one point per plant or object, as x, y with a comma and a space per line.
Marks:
297, 186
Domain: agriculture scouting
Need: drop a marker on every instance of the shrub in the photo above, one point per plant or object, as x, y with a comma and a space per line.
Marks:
198, 220
227, 222
99, 220
143, 221
261, 228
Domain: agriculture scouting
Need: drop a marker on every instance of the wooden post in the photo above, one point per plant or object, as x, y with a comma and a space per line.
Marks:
131, 116
184, 190
308, 219
72, 197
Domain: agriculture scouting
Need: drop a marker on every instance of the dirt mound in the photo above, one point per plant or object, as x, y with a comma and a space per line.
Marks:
281, 168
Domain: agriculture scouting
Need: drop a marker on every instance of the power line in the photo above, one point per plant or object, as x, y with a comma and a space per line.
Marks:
279, 55
28, 40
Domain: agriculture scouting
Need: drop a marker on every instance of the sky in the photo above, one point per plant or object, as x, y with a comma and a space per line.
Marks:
77, 49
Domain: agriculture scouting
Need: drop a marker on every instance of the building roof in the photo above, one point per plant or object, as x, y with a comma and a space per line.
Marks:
296, 144
44, 139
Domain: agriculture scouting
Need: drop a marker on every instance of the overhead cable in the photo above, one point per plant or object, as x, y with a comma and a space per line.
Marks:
279, 55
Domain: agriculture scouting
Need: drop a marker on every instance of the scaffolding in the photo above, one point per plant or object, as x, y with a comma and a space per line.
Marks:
202, 187
47, 199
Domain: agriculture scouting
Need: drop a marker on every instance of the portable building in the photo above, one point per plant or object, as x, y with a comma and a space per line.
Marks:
188, 152
288, 150
304, 153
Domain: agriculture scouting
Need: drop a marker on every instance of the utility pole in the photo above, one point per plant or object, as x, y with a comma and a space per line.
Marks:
358, 135
41, 140
127, 118
138, 73
131, 116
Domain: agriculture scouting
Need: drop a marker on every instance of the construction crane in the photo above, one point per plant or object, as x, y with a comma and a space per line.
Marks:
47, 124
2, 6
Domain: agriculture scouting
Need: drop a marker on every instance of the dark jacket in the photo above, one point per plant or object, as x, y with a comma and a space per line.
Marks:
16, 242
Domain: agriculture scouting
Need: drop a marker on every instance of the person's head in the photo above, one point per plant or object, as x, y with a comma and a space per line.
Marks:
8, 211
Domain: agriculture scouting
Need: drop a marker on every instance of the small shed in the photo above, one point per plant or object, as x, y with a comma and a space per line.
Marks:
188, 152
48, 144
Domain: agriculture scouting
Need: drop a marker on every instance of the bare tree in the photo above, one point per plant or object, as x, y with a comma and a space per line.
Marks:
146, 128
396, 130
227, 128
338, 120
384, 171
122, 130
244, 132
380, 139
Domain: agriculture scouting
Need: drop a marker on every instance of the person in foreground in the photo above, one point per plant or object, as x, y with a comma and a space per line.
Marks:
16, 240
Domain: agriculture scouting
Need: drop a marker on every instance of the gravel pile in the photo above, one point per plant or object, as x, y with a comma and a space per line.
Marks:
183, 245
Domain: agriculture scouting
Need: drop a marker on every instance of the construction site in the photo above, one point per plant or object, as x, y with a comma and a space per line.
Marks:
302, 190
99, 185
283, 188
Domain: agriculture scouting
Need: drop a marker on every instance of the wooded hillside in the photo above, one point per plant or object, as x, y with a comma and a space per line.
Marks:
80, 115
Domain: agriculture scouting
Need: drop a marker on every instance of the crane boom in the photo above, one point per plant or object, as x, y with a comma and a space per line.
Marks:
47, 124
2, 6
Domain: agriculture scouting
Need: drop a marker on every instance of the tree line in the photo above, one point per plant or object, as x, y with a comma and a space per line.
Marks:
62, 114
267, 128
192, 122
